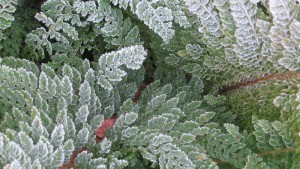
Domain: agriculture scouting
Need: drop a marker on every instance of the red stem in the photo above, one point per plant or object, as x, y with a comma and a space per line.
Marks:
248, 82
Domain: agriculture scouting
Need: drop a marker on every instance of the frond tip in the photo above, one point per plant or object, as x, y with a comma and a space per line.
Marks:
159, 19
110, 63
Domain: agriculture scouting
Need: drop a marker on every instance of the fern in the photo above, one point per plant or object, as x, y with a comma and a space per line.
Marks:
61, 89
290, 61
178, 13
159, 20
247, 39
226, 19
149, 84
283, 13
8, 7
209, 19
68, 23
109, 64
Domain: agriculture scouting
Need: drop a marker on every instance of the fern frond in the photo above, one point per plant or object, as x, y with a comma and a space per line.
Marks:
123, 3
290, 59
159, 19
226, 18
109, 63
263, 28
243, 12
283, 13
177, 10
6, 10
209, 19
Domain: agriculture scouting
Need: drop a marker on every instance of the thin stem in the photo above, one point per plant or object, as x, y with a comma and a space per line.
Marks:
248, 82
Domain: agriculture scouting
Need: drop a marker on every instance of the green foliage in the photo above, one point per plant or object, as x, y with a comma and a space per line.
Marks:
46, 116
14, 36
109, 64
69, 24
7, 8
157, 19
149, 84
257, 101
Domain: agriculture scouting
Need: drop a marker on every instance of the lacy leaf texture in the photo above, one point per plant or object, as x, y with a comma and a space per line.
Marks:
139, 84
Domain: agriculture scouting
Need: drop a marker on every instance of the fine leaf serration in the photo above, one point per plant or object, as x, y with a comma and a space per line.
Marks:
170, 84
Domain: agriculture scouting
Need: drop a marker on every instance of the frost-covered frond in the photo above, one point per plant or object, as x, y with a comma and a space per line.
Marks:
209, 19
54, 116
290, 59
110, 63
20, 63
155, 130
263, 29
15, 78
158, 129
116, 31
295, 32
238, 147
57, 25
55, 18
173, 124
226, 18
123, 3
271, 135
276, 35
177, 10
79, 23
159, 19
7, 7
175, 6
243, 12
283, 13
92, 101
89, 10
253, 161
